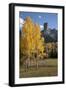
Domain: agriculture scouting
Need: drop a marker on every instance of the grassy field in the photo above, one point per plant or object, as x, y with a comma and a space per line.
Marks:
47, 67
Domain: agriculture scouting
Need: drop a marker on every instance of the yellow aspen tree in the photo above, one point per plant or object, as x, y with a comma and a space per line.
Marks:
31, 40
39, 42
27, 42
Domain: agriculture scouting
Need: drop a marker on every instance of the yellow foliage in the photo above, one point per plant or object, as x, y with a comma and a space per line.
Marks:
31, 40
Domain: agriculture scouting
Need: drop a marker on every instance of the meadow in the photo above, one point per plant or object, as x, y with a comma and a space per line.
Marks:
47, 67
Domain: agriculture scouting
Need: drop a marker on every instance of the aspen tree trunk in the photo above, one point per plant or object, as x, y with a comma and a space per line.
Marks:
27, 63
37, 61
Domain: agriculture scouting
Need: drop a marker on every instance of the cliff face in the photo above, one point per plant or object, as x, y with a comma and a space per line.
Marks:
50, 35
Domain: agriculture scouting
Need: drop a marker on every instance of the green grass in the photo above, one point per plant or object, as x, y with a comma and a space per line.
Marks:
48, 67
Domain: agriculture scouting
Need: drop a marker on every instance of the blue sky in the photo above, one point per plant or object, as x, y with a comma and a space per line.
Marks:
41, 18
